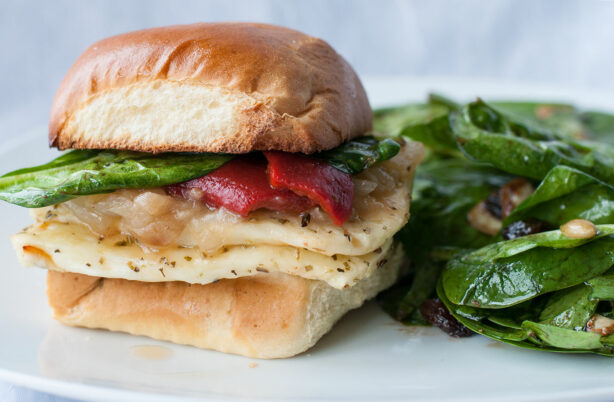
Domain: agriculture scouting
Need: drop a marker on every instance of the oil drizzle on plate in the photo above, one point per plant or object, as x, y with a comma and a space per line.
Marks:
151, 352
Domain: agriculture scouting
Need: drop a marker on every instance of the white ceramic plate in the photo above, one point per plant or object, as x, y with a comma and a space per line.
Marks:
366, 357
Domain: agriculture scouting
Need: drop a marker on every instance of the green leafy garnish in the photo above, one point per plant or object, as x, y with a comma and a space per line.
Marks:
355, 156
85, 172
78, 173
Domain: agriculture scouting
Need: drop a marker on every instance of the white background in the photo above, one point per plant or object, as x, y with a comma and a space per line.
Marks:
563, 43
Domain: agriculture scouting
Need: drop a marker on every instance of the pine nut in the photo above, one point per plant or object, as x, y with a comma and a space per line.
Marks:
481, 219
579, 229
600, 325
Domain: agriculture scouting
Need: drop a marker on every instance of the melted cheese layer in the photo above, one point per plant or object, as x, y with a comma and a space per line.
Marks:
74, 248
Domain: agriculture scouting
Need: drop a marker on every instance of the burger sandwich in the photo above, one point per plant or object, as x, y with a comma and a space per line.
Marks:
222, 189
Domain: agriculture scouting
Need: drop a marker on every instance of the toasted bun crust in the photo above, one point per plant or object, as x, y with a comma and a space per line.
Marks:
209, 87
264, 316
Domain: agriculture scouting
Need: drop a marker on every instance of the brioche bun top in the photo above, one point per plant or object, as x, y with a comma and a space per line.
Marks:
209, 87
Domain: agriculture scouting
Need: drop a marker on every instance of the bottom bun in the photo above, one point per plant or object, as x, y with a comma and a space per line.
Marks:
264, 316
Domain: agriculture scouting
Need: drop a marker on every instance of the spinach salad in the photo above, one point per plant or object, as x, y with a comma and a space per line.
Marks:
487, 236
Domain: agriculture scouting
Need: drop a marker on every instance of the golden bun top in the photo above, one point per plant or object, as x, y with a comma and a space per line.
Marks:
210, 87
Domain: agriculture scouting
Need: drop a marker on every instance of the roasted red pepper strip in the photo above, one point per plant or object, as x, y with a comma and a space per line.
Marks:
241, 186
330, 188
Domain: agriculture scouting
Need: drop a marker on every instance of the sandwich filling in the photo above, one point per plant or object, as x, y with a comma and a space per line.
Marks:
282, 182
218, 226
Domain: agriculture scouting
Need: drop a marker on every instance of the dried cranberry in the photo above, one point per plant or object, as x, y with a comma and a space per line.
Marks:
524, 228
493, 204
435, 312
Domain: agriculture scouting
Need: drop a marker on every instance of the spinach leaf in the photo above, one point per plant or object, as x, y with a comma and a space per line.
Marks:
564, 338
602, 286
599, 125
390, 121
569, 308
444, 191
435, 134
509, 248
528, 334
68, 158
485, 135
474, 320
92, 172
567, 193
361, 153
391, 299
403, 301
84, 172
439, 99
562, 119
503, 282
